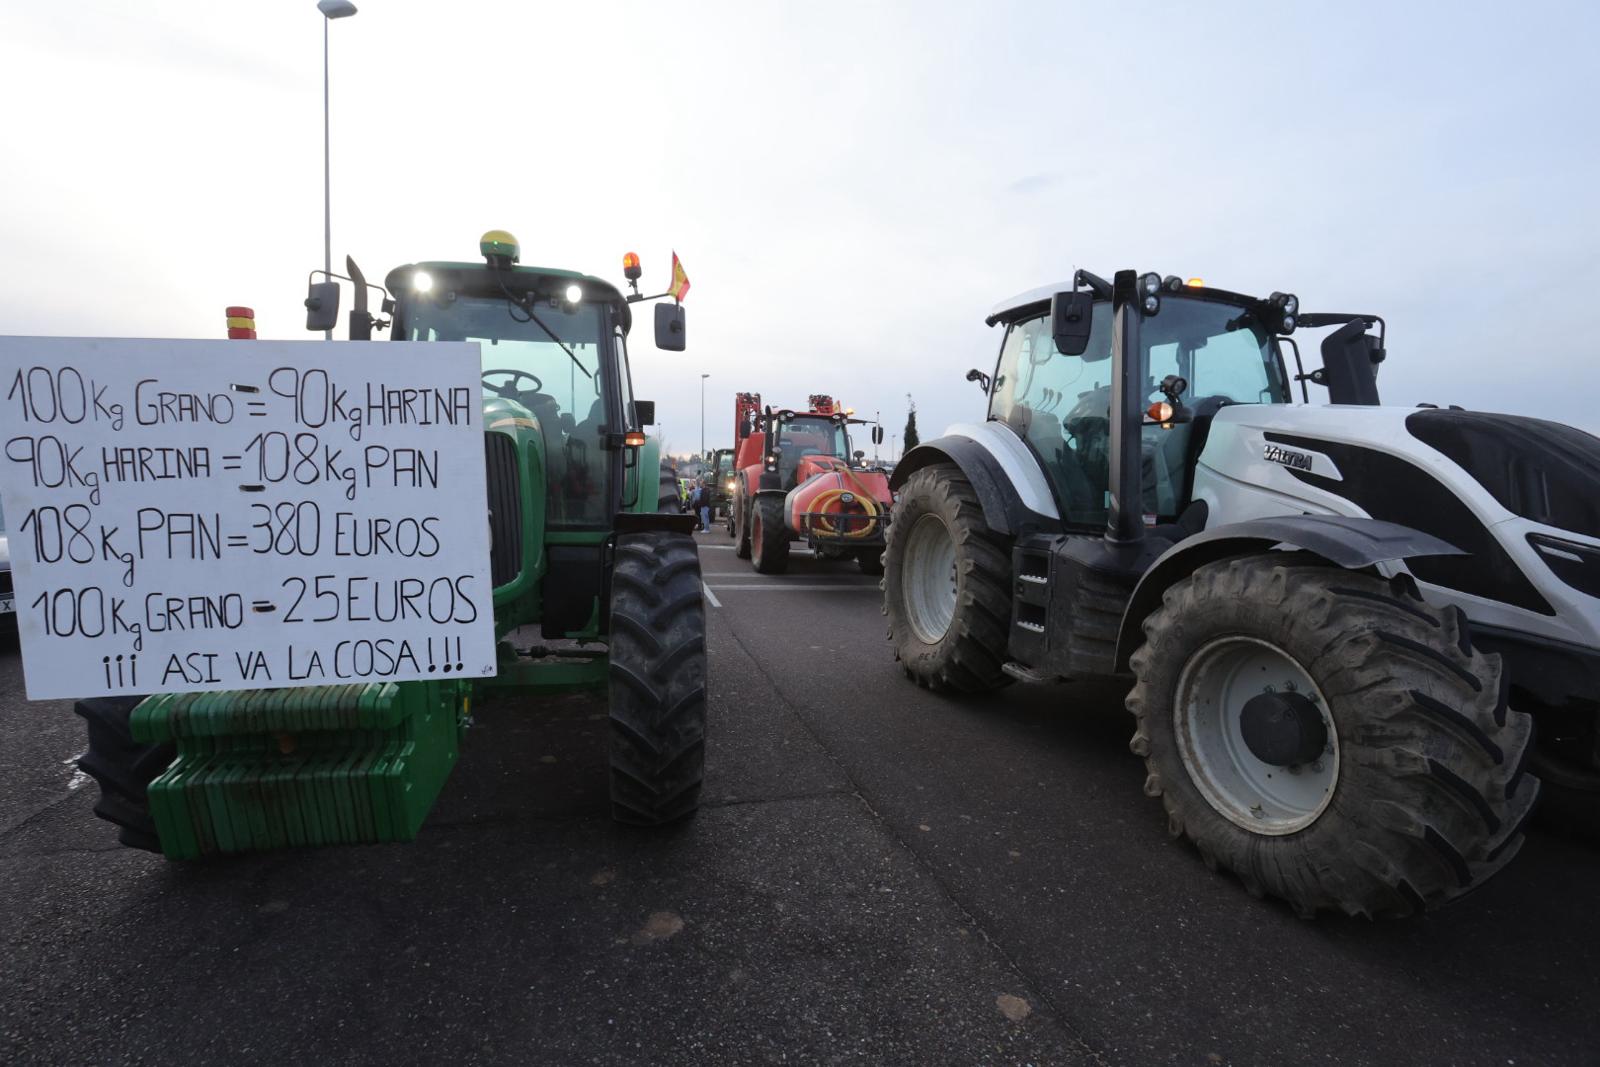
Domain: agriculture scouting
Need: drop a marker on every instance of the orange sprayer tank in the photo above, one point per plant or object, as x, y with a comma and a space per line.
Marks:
834, 501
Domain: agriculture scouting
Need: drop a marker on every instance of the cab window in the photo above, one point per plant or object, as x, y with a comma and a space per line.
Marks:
1061, 405
558, 380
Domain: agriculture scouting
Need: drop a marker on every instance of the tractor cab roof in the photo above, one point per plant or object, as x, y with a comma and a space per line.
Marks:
1026, 305
477, 276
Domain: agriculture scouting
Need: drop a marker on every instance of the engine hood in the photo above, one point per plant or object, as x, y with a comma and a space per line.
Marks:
1540, 470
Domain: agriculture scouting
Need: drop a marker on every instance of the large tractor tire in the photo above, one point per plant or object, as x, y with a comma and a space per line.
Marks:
1329, 737
123, 768
657, 684
946, 586
1569, 795
741, 533
668, 502
769, 537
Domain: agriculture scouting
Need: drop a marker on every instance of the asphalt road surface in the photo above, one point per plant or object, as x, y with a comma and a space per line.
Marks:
880, 875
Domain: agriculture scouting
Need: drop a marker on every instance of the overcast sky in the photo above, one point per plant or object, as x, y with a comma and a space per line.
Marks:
851, 185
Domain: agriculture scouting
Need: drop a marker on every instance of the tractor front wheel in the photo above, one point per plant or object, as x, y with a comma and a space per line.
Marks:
657, 684
769, 538
1329, 737
946, 586
741, 533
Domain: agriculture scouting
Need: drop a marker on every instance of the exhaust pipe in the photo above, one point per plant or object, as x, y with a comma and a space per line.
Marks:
1125, 523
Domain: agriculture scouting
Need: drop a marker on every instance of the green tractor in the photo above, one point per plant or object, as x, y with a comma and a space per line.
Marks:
587, 546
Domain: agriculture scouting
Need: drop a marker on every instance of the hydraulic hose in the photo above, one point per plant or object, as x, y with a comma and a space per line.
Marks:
819, 509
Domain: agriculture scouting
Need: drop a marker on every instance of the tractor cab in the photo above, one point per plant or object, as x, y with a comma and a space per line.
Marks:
554, 352
1194, 351
721, 477
565, 446
791, 446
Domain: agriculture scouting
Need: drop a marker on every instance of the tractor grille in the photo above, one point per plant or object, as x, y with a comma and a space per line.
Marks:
505, 508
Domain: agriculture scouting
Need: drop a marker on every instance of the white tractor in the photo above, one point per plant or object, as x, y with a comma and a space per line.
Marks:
1341, 621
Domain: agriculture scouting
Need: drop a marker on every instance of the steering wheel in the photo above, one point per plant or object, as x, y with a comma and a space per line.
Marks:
506, 389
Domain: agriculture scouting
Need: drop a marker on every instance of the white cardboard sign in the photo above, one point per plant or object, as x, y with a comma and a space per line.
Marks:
192, 515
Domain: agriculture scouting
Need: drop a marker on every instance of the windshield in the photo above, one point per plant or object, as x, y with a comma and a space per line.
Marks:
811, 435
559, 384
1061, 405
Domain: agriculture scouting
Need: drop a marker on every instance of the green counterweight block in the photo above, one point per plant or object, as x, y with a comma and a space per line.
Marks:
323, 765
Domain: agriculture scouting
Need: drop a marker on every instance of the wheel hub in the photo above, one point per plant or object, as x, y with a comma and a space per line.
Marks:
929, 575
1283, 729
1254, 734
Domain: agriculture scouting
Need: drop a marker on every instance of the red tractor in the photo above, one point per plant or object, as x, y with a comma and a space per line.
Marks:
795, 479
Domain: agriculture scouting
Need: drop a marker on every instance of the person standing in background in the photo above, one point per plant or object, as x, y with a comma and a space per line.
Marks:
702, 502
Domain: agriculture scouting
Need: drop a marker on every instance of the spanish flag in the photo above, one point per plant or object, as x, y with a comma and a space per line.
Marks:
680, 280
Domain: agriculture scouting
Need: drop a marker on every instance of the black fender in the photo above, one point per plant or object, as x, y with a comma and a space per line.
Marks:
1003, 509
1344, 541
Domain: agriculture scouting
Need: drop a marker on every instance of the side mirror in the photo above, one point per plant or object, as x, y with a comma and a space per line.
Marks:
644, 412
976, 375
669, 327
877, 435
322, 305
860, 455
1071, 317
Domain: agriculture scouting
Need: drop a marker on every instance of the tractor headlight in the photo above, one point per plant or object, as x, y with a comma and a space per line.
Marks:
574, 294
421, 282
1148, 289
1287, 306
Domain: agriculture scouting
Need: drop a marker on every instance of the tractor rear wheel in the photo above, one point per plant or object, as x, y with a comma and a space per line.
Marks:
657, 684
946, 586
769, 538
1329, 737
123, 767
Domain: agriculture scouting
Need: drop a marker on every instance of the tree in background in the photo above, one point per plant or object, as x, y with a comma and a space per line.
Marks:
911, 424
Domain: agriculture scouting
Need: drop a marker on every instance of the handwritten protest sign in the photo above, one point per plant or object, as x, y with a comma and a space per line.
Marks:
192, 515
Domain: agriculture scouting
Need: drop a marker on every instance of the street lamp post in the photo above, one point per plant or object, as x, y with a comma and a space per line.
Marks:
703, 378
331, 9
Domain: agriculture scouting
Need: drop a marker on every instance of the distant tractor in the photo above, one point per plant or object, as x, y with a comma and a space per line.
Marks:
795, 479
1341, 622
580, 551
720, 484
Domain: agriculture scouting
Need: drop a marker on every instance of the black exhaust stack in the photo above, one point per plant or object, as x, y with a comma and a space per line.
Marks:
1125, 523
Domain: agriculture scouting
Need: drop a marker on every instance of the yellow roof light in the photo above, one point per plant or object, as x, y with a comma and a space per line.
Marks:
499, 244
1196, 283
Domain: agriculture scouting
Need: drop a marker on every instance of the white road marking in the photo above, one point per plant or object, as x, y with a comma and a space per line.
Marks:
710, 595
79, 778
798, 588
